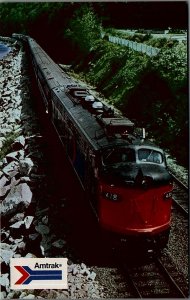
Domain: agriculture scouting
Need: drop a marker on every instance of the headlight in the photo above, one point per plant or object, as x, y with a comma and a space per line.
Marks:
111, 196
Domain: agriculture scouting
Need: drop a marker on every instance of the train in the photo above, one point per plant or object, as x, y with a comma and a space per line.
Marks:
124, 175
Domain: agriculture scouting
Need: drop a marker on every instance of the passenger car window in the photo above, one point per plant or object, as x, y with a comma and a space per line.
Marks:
121, 155
148, 155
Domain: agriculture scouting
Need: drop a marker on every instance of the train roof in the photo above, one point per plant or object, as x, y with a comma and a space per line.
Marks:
91, 128
96, 129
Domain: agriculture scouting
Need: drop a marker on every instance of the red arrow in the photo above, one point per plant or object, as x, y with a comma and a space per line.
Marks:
25, 274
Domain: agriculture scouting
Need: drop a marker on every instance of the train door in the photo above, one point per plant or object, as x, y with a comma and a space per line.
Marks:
76, 153
92, 181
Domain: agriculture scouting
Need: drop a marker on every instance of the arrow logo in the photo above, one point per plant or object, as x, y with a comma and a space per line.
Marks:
28, 275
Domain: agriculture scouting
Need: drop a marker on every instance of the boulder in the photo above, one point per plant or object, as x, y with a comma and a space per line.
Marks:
3, 295
30, 255
4, 281
59, 243
13, 156
28, 221
25, 166
3, 187
30, 296
18, 194
12, 166
6, 255
17, 224
91, 276
42, 229
19, 143
17, 217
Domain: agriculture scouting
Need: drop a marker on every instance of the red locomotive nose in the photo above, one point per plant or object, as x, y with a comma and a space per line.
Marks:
135, 210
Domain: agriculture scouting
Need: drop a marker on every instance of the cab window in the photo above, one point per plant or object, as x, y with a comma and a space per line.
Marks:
121, 155
149, 155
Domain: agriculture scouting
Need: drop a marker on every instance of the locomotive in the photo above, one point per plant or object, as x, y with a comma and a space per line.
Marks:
124, 175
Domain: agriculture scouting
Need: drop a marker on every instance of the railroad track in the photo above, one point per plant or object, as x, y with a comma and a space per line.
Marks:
157, 279
180, 195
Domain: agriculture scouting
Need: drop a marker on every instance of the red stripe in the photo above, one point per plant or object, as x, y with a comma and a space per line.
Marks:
25, 274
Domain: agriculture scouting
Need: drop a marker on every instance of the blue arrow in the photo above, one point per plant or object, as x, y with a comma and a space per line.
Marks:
42, 275
44, 272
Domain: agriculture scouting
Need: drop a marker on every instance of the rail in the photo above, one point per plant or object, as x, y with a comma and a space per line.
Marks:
154, 280
180, 195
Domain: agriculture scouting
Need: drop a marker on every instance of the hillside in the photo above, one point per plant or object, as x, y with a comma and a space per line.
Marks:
151, 90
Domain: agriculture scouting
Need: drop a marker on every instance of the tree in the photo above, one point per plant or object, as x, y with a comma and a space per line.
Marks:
84, 29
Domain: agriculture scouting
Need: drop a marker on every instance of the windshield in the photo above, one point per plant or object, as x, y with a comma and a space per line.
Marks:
119, 155
149, 155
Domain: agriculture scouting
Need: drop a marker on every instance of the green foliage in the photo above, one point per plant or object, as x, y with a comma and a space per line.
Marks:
6, 148
116, 70
152, 90
20, 17
145, 38
84, 29
172, 65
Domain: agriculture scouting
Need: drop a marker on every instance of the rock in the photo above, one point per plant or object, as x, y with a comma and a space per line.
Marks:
12, 166
81, 294
15, 240
44, 293
91, 276
4, 281
84, 270
4, 234
25, 166
16, 255
17, 217
52, 294
6, 255
45, 220
34, 236
42, 211
42, 229
11, 295
30, 255
59, 243
23, 295
21, 245
19, 143
2, 140
3, 187
13, 173
14, 181
17, 224
18, 194
75, 270
30, 296
46, 243
25, 179
12, 156
28, 221
5, 246
7, 93
3, 181
3, 295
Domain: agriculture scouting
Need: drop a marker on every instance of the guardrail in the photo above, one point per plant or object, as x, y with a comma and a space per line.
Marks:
149, 50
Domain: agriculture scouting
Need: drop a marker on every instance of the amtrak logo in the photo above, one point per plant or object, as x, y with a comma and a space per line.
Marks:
38, 273
28, 275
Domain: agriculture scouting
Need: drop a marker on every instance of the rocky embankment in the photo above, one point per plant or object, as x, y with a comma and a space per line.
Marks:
25, 230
